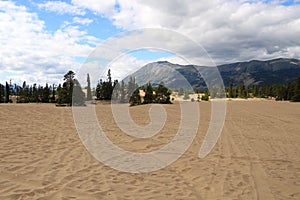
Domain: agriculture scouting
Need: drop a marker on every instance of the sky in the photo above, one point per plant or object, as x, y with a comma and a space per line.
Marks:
42, 40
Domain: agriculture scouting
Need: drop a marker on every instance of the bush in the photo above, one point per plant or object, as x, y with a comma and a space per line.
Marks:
205, 98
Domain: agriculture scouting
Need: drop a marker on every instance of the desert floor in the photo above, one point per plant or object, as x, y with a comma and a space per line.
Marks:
256, 157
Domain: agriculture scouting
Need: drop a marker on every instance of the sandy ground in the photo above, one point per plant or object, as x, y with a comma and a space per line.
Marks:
256, 157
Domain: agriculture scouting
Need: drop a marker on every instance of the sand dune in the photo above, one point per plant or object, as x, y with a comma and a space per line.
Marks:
256, 157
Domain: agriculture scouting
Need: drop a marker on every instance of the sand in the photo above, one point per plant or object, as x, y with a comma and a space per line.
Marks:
256, 157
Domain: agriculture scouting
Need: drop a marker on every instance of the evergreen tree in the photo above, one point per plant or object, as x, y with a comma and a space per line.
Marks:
30, 93
290, 91
59, 94
135, 98
205, 97
108, 87
242, 93
53, 94
148, 94
99, 91
296, 97
198, 97
109, 76
17, 89
122, 92
254, 91
35, 94
45, 94
66, 92
23, 94
231, 90
105, 89
67, 89
2, 93
132, 86
159, 94
115, 83
78, 98
7, 92
89, 91
162, 94
71, 91
279, 92
267, 91
247, 92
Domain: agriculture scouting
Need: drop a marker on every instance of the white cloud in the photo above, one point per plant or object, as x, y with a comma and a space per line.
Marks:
82, 21
103, 7
61, 8
120, 67
126, 65
28, 52
229, 30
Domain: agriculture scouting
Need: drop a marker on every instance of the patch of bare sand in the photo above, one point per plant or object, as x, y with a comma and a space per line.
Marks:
256, 157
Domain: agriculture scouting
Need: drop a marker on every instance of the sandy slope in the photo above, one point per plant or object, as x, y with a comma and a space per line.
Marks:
257, 156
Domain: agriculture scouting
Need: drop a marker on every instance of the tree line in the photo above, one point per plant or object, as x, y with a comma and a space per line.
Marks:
159, 94
280, 92
26, 94
62, 94
130, 92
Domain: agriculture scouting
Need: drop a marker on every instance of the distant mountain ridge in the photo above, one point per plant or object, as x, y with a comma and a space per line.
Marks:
255, 72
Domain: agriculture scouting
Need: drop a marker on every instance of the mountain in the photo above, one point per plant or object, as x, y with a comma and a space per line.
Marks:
253, 72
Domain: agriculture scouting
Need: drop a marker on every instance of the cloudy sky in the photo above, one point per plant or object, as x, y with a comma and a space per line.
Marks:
41, 40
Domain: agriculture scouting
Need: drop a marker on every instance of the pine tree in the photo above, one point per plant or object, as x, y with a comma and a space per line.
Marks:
242, 93
122, 92
267, 91
108, 87
198, 97
7, 92
205, 97
66, 92
105, 89
149, 97
89, 91
135, 98
17, 89
162, 94
45, 94
254, 91
71, 91
132, 86
78, 98
296, 97
290, 91
53, 94
67, 89
230, 90
1, 93
23, 94
59, 94
99, 91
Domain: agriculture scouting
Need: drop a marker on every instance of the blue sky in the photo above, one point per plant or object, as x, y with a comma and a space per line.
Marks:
41, 40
